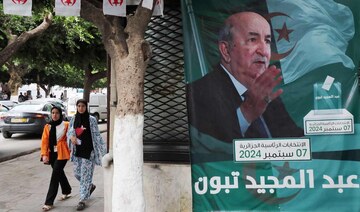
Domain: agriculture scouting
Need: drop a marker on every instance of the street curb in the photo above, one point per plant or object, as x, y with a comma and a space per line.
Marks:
18, 155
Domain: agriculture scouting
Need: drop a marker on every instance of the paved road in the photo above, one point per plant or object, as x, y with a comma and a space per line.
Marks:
17, 145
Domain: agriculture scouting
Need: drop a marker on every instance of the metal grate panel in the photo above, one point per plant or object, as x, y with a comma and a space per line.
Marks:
166, 124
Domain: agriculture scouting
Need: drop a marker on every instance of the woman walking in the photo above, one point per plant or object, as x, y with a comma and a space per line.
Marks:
87, 147
55, 151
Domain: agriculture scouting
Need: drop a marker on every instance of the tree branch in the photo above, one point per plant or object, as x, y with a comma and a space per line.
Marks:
112, 32
138, 23
98, 75
18, 42
93, 14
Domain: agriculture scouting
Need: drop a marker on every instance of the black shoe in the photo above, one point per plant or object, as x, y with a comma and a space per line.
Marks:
92, 189
80, 206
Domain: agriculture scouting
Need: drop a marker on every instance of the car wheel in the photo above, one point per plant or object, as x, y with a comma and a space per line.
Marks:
6, 134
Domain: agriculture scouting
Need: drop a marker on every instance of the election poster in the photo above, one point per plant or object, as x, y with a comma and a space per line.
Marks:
273, 104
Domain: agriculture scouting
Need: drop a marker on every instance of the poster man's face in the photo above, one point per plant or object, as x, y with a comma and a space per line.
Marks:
249, 53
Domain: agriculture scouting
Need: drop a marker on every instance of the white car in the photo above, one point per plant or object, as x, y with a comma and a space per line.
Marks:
8, 103
97, 105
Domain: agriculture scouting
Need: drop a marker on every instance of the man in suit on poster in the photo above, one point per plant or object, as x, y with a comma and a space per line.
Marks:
239, 99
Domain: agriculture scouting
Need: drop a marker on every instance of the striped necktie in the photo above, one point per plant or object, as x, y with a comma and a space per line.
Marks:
259, 124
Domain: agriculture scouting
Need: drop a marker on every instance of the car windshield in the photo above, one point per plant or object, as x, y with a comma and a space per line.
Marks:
27, 108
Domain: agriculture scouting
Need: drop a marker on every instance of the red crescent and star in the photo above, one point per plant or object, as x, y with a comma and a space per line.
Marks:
19, 1
283, 33
68, 2
116, 2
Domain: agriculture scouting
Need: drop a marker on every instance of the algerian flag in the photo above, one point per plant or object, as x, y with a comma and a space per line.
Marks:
18, 7
114, 7
67, 7
310, 34
158, 8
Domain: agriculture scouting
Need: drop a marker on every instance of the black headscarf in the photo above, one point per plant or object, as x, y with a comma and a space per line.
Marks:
52, 135
82, 119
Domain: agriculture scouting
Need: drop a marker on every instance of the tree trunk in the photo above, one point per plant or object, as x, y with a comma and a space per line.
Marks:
89, 80
14, 82
128, 194
16, 73
45, 89
129, 54
127, 140
128, 164
87, 89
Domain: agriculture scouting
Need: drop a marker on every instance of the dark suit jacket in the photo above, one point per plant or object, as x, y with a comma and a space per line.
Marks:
213, 100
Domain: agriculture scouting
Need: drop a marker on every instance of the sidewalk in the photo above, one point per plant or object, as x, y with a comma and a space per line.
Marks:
24, 182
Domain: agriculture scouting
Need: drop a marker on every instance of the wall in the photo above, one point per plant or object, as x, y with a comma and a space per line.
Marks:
167, 188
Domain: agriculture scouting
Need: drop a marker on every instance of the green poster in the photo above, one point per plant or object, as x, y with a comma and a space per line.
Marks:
273, 104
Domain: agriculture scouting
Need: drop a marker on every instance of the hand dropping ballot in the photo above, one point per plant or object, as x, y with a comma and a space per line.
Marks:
329, 115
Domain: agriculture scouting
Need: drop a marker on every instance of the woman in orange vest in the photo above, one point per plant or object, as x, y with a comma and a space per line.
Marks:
55, 151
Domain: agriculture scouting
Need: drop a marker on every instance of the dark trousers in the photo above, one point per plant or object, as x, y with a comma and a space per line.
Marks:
57, 176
